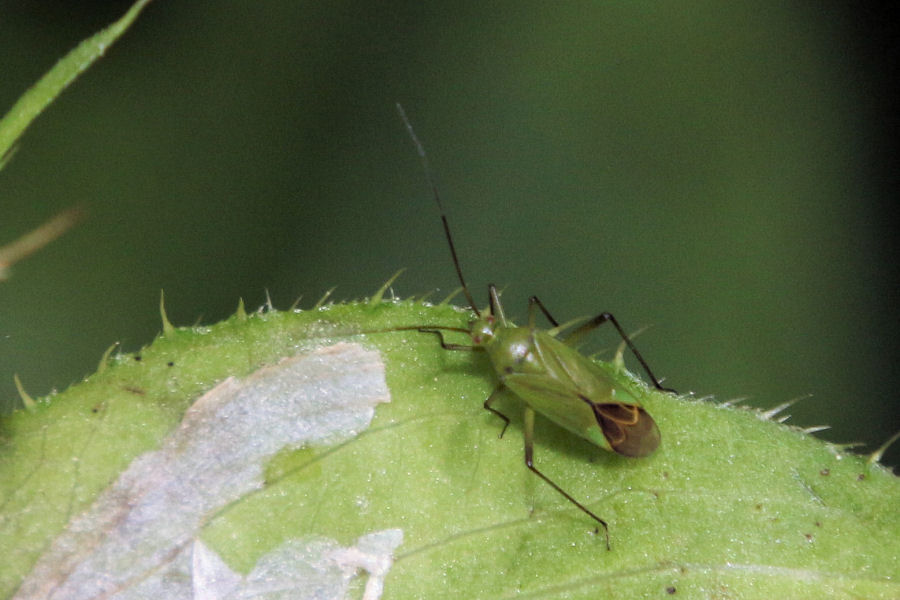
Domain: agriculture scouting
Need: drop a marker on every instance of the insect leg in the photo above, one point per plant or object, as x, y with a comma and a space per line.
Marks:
607, 317
494, 394
487, 405
528, 428
444, 344
535, 301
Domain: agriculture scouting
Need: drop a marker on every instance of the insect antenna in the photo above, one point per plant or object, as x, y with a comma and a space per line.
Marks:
437, 197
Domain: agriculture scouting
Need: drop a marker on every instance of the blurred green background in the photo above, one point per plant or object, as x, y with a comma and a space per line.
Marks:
709, 169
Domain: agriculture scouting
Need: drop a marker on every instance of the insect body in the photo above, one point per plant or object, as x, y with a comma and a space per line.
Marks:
556, 380
549, 375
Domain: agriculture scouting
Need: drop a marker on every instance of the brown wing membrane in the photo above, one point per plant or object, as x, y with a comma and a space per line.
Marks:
628, 428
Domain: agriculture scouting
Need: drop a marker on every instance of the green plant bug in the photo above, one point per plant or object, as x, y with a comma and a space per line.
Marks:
545, 371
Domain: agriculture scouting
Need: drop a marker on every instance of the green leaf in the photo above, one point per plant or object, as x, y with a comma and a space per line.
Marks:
40, 95
731, 505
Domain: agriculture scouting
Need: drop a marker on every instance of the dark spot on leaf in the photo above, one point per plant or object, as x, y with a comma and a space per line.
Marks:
818, 524
758, 507
861, 476
808, 537
138, 357
134, 390
825, 472
170, 364
670, 590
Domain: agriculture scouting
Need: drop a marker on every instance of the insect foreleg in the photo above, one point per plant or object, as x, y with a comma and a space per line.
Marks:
444, 344
487, 405
528, 428
607, 317
534, 301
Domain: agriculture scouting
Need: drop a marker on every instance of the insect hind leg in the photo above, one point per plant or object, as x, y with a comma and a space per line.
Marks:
606, 317
529, 462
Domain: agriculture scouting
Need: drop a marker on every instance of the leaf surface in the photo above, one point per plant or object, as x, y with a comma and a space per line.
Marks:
731, 505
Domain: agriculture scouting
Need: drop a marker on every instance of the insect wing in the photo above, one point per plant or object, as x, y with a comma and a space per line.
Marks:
628, 428
573, 369
560, 403
625, 429
616, 421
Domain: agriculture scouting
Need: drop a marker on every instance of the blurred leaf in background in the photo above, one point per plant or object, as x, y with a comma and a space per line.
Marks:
715, 171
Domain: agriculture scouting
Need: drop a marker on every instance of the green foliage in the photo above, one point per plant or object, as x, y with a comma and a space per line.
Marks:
57, 79
732, 503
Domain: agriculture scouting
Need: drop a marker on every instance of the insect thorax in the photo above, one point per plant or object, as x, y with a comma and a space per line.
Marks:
512, 350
